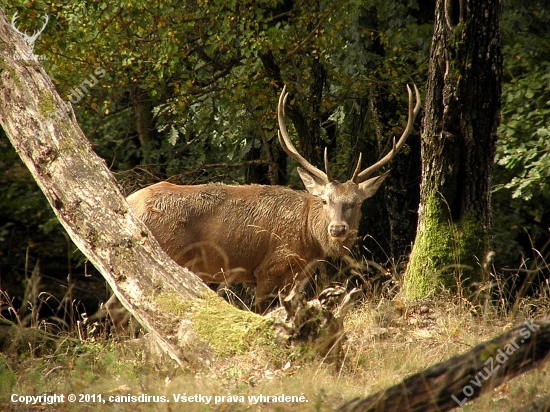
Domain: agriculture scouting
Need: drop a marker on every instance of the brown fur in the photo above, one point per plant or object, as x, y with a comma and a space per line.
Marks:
267, 235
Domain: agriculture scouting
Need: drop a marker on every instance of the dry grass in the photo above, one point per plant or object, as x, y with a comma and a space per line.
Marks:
388, 340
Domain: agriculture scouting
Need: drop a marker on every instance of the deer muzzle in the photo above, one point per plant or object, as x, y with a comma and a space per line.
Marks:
338, 230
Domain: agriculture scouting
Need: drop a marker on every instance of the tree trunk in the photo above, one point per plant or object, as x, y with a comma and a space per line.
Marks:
161, 295
374, 234
389, 217
458, 147
458, 380
145, 127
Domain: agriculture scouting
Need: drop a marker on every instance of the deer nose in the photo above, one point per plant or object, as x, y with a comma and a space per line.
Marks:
338, 229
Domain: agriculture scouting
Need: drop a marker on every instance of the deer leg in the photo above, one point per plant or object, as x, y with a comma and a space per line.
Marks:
271, 289
119, 315
266, 294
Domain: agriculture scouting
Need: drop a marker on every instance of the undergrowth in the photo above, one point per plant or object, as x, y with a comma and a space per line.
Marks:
388, 339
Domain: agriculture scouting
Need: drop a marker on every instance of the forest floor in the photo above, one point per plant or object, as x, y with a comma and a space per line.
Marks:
387, 340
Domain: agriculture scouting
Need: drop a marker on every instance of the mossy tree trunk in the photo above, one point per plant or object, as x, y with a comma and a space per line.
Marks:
458, 147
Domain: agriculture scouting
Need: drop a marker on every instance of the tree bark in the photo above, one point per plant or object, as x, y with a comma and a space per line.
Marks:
462, 378
88, 203
458, 147
145, 125
390, 217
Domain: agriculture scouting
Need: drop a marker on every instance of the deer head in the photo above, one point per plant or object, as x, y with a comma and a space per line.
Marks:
342, 201
29, 39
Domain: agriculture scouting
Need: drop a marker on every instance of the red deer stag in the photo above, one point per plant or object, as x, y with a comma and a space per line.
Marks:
268, 235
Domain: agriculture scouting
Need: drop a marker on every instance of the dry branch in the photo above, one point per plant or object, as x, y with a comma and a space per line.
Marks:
462, 378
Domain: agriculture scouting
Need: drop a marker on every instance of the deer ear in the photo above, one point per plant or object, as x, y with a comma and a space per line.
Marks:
313, 184
369, 187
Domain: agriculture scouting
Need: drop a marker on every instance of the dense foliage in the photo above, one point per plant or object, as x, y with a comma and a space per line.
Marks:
196, 83
525, 130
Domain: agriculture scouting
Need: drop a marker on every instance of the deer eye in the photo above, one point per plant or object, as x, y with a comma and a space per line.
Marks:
353, 205
324, 201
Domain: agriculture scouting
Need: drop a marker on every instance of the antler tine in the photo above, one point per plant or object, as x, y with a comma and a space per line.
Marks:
287, 145
413, 112
358, 168
13, 20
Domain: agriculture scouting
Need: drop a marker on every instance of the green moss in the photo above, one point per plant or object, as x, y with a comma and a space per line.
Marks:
46, 104
457, 35
446, 253
489, 351
8, 379
226, 329
13, 73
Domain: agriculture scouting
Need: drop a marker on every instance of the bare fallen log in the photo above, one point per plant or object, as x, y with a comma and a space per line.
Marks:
452, 383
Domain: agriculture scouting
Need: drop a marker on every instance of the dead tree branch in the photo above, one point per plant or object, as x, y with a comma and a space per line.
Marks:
452, 383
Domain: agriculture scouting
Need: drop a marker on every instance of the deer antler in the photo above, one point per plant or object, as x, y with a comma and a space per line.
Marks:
36, 33
358, 176
413, 111
29, 39
289, 148
13, 19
